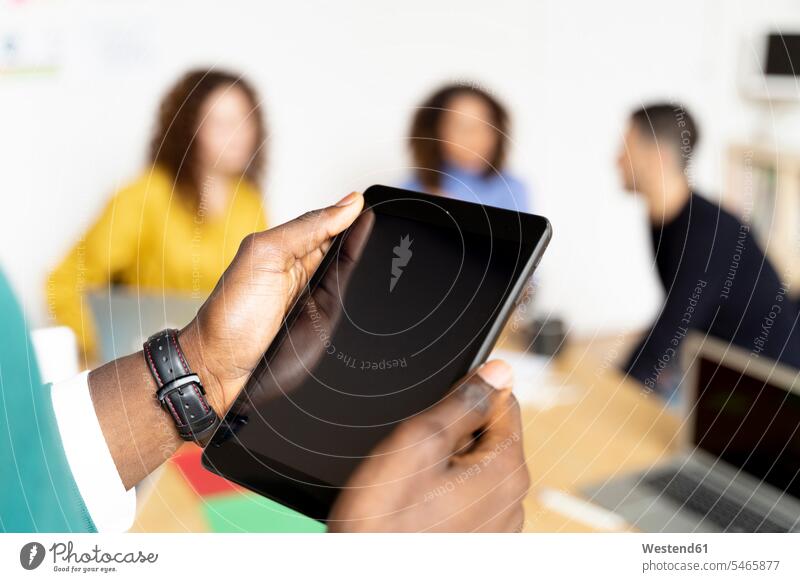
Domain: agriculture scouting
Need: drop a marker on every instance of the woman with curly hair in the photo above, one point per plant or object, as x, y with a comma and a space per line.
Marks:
177, 226
459, 138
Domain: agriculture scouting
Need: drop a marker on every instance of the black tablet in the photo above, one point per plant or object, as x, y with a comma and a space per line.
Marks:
405, 302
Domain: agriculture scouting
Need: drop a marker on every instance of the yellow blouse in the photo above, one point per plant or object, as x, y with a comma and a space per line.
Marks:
149, 238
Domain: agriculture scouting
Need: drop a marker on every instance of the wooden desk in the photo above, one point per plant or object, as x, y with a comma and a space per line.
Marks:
613, 427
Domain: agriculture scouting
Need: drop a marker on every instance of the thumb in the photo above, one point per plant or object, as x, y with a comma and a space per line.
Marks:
442, 429
303, 235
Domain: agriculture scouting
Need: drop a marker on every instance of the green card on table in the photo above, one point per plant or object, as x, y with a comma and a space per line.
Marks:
248, 512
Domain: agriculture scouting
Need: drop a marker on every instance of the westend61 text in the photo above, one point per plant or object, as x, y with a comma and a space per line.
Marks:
675, 549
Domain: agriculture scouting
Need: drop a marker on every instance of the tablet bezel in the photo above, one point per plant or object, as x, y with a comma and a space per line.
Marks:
308, 495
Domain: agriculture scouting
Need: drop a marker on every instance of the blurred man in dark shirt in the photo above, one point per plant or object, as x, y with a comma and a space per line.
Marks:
716, 278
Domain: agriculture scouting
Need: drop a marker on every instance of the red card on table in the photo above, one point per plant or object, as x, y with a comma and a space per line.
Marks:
203, 481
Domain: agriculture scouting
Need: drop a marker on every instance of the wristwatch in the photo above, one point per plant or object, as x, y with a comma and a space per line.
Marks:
179, 391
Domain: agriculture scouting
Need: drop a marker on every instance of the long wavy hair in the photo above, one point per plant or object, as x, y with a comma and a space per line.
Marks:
173, 146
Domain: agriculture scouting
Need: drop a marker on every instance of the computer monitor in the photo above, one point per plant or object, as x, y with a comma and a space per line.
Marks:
770, 66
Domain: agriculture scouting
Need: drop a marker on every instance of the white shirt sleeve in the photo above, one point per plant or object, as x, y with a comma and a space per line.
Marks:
111, 507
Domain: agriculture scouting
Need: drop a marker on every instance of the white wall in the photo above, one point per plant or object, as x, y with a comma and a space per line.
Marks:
340, 80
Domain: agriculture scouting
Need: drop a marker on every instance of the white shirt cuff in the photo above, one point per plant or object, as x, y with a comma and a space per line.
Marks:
112, 508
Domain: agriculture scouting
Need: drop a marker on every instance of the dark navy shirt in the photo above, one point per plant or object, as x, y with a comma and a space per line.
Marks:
717, 281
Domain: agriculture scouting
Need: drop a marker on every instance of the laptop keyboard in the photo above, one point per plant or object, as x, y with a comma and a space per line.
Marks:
727, 513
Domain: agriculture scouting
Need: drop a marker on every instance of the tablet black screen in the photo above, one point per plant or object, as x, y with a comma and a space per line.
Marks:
398, 311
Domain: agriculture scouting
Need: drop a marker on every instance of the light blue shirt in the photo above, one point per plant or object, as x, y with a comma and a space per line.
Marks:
501, 190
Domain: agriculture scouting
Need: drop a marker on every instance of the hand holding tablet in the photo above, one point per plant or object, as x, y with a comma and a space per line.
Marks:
431, 475
406, 300
261, 284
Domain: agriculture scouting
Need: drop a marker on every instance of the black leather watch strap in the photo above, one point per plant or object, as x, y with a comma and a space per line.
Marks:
179, 390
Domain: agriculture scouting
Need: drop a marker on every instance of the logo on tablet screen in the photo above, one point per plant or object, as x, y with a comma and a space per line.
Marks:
402, 254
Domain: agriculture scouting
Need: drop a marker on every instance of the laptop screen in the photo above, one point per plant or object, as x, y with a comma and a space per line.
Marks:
749, 423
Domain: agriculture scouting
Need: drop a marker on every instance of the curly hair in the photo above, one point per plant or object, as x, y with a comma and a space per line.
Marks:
173, 146
424, 139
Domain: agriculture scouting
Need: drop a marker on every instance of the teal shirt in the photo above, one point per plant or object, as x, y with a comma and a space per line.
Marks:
37, 490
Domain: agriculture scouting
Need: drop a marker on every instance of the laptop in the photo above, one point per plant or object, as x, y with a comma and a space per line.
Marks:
739, 465
124, 318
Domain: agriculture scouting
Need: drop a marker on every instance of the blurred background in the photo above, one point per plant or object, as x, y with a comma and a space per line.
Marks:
80, 82
339, 83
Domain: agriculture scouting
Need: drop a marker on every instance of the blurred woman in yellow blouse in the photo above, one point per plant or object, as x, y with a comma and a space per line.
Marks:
177, 226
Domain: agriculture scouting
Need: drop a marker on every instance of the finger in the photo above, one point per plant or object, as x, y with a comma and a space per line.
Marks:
504, 412
496, 464
503, 427
307, 233
466, 443
436, 433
